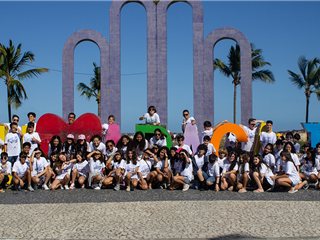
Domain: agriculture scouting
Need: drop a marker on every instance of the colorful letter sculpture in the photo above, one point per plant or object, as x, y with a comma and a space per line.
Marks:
313, 129
51, 124
148, 128
224, 129
191, 137
261, 128
113, 133
3, 132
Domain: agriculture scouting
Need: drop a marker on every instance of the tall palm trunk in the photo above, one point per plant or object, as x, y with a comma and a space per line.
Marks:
9, 104
99, 108
235, 103
307, 107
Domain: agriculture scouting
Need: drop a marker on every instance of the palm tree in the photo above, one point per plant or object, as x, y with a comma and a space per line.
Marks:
12, 60
94, 89
310, 79
232, 69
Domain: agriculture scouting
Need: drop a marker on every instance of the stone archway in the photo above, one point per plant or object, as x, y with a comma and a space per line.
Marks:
207, 85
68, 70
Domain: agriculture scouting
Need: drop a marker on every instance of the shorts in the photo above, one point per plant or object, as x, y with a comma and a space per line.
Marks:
82, 175
211, 179
42, 179
4, 181
204, 174
266, 185
186, 180
92, 174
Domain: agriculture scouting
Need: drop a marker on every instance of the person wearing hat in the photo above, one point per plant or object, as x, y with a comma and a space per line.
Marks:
69, 146
82, 145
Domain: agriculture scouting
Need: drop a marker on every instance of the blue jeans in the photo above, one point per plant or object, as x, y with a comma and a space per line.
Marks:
204, 174
12, 159
211, 179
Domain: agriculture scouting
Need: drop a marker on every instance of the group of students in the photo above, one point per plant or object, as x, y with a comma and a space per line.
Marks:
146, 164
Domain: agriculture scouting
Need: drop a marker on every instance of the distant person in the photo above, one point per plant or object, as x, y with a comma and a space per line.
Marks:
105, 127
15, 118
208, 129
267, 137
151, 116
32, 137
296, 138
231, 140
159, 138
12, 143
251, 134
71, 118
180, 140
32, 118
187, 119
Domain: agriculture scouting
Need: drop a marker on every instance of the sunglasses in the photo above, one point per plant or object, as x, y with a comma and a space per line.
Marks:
158, 134
151, 110
110, 145
15, 120
186, 114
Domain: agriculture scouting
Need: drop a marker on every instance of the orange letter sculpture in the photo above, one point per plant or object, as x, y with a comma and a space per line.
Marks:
224, 129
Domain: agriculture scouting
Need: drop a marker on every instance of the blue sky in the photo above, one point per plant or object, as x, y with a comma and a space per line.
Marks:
283, 30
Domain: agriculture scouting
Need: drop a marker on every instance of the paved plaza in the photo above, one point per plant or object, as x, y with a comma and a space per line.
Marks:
160, 214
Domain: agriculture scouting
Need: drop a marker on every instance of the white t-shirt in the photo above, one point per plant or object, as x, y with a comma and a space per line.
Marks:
96, 166
206, 133
187, 172
9, 130
28, 138
1, 144
269, 160
230, 140
318, 158
221, 162
245, 170
189, 121
199, 161
101, 147
154, 119
278, 160
160, 164
105, 127
226, 166
267, 173
297, 147
108, 153
160, 142
266, 138
39, 165
65, 171
131, 168
139, 152
210, 150
20, 169
13, 144
5, 168
295, 159
213, 170
248, 146
82, 167
49, 151
185, 147
310, 169
116, 165
144, 168
292, 172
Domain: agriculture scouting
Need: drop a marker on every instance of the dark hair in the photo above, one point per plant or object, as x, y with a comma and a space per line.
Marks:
167, 150
51, 162
229, 149
81, 155
13, 123
269, 121
142, 144
23, 155
129, 144
306, 144
101, 159
121, 155
185, 111
279, 142
96, 136
26, 144
4, 154
152, 107
268, 145
184, 163
206, 138
207, 124
251, 120
318, 145
30, 125
256, 168
72, 114
83, 148
212, 158
293, 150
173, 158
246, 159
180, 137
67, 146
134, 156
234, 162
162, 135
110, 141
287, 155
296, 136
31, 113
111, 116
313, 156
39, 149
202, 147
14, 115
59, 146
288, 134
58, 162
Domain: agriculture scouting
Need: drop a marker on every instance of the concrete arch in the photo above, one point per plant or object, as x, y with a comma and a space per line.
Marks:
68, 70
160, 99
115, 67
246, 72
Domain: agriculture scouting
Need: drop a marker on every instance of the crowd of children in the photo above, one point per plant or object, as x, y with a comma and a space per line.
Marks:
148, 163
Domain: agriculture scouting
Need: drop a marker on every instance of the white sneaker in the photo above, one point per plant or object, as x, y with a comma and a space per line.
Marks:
61, 187
45, 187
30, 188
97, 187
128, 189
66, 187
82, 186
71, 186
185, 187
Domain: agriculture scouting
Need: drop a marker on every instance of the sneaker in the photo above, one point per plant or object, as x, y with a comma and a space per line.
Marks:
196, 186
117, 187
50, 185
97, 187
61, 187
45, 187
165, 186
161, 186
66, 187
30, 188
306, 186
72, 186
316, 185
185, 187
82, 186
128, 189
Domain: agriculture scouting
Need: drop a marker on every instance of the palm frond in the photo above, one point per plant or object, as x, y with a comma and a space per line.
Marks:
302, 65
32, 73
223, 68
296, 79
264, 76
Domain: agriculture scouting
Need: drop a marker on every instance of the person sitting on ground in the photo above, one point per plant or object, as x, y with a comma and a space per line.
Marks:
159, 138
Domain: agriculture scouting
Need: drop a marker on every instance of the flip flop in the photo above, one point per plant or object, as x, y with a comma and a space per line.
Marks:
242, 191
258, 191
293, 191
271, 189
